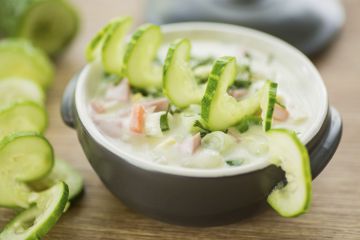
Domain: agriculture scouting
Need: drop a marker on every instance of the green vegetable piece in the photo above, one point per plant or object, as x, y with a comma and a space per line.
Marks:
22, 116
34, 222
20, 59
48, 24
291, 155
24, 157
139, 60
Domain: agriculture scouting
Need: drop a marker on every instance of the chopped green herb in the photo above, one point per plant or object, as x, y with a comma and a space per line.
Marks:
240, 83
248, 121
201, 128
248, 55
164, 121
237, 162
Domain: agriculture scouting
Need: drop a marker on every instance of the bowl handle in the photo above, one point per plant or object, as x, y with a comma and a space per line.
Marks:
326, 147
67, 103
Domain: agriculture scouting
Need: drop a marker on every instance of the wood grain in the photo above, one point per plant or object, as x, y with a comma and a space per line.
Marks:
335, 212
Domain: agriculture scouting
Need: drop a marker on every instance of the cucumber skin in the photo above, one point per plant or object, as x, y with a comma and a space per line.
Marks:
218, 68
13, 14
307, 174
50, 221
267, 122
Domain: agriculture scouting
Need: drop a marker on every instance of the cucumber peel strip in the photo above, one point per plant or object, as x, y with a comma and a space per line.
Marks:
291, 155
24, 157
34, 222
139, 60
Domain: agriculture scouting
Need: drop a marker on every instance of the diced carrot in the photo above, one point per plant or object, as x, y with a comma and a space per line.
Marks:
280, 113
137, 118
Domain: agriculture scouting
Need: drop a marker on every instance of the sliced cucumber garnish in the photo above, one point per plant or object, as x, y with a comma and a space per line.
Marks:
61, 172
109, 45
267, 104
139, 61
24, 157
179, 83
219, 110
34, 222
19, 89
18, 58
22, 116
290, 154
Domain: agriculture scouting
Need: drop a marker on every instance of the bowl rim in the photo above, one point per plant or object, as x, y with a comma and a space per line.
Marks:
84, 116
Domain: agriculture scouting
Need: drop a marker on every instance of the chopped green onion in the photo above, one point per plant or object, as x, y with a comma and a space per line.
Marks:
237, 162
248, 121
164, 124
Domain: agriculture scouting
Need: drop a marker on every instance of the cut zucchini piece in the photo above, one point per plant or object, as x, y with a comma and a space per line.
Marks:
110, 46
290, 154
179, 83
22, 116
219, 110
18, 58
48, 24
61, 172
267, 104
24, 157
20, 89
139, 61
35, 222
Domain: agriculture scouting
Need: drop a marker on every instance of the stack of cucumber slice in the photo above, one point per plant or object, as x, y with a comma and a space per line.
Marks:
136, 61
31, 179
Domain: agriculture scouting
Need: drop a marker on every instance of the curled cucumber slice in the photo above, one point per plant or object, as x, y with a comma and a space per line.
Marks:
24, 157
20, 89
290, 154
109, 45
18, 58
219, 110
22, 116
139, 60
36, 221
179, 83
61, 172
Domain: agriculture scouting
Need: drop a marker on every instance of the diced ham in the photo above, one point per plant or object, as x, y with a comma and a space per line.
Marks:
280, 113
97, 106
238, 93
191, 144
112, 127
120, 92
137, 118
160, 104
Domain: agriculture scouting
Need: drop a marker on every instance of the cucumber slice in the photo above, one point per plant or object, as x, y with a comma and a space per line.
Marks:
35, 222
219, 110
290, 154
48, 24
139, 60
267, 104
19, 89
18, 58
22, 116
179, 83
24, 157
109, 45
61, 172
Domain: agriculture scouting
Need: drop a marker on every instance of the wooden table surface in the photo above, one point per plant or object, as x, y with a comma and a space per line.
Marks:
335, 211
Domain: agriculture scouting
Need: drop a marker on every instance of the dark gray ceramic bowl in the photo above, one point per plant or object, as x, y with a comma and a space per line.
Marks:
200, 197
